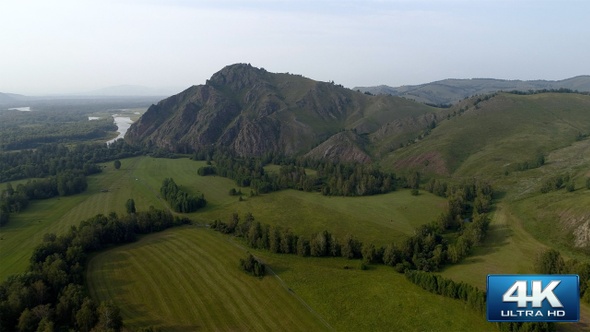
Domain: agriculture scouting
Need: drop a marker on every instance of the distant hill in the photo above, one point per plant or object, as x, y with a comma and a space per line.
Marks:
130, 90
493, 135
254, 112
450, 91
11, 98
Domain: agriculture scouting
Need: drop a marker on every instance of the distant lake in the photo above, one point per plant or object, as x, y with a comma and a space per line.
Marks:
21, 109
123, 123
90, 118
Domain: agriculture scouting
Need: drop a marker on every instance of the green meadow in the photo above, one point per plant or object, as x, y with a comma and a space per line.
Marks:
188, 278
390, 216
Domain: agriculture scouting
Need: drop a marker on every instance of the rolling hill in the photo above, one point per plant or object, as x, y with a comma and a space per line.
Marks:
450, 91
491, 136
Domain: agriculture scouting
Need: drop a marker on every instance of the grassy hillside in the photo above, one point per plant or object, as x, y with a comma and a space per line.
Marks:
192, 281
378, 219
527, 222
208, 291
488, 139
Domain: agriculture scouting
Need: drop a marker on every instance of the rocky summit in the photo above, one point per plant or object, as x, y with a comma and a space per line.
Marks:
252, 112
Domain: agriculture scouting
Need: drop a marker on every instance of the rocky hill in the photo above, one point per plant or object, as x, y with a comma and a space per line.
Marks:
252, 112
450, 91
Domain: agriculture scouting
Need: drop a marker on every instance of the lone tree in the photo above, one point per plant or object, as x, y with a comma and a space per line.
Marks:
117, 164
130, 206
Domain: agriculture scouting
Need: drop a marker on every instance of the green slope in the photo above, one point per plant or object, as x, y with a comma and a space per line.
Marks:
189, 279
490, 138
192, 281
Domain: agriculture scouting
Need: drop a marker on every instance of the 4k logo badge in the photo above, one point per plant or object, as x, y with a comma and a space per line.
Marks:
533, 298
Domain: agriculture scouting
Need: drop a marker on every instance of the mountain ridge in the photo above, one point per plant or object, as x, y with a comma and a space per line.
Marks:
452, 90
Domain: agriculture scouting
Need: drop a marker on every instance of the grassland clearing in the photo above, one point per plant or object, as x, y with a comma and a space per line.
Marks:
207, 289
390, 216
188, 279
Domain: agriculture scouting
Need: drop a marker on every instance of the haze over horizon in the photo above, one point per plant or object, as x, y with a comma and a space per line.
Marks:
68, 46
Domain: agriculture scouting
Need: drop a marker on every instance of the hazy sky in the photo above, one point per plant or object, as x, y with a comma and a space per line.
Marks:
62, 46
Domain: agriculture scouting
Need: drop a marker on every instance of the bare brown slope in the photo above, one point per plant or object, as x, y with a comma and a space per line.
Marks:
253, 112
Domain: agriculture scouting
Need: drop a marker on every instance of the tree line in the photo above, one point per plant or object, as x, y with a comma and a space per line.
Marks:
475, 298
51, 294
179, 200
550, 261
335, 179
29, 130
64, 184
51, 159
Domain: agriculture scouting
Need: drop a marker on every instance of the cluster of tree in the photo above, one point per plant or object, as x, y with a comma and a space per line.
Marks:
534, 92
550, 262
51, 296
527, 327
336, 179
252, 266
426, 250
281, 240
179, 200
474, 297
64, 184
557, 182
436, 284
466, 198
354, 180
535, 163
51, 159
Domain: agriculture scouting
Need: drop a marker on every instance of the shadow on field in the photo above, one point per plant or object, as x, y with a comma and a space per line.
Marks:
498, 236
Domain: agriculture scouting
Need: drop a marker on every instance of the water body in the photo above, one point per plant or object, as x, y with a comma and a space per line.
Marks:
123, 123
90, 118
21, 109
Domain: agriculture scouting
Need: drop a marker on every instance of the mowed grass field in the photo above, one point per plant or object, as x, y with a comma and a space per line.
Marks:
188, 278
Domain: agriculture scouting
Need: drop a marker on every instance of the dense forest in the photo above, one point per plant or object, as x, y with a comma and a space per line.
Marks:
51, 295
336, 179
51, 159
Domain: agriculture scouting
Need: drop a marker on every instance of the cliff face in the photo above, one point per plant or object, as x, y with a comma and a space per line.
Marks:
252, 112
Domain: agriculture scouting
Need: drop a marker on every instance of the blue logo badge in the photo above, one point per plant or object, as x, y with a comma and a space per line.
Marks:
533, 298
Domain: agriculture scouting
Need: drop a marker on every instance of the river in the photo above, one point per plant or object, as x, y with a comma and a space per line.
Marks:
123, 123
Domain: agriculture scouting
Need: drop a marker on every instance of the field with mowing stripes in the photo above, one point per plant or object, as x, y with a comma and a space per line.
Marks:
188, 279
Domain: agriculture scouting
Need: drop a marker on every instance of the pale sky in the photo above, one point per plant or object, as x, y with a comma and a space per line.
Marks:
64, 46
